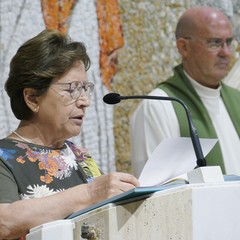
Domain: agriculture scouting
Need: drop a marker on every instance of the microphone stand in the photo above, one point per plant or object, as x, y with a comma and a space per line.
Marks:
201, 174
201, 162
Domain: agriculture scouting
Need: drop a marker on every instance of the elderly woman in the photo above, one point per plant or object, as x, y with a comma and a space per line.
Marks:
43, 176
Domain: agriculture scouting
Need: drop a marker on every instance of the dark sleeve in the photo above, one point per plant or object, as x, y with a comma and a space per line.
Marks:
8, 186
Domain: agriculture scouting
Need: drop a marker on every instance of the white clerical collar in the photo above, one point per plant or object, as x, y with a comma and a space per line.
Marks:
204, 91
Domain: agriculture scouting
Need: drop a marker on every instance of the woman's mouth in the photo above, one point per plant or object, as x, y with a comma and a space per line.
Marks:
78, 119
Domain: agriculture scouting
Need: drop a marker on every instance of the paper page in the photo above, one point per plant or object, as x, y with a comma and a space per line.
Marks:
171, 158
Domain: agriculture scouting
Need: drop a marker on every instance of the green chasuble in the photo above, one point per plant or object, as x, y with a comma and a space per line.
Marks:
180, 87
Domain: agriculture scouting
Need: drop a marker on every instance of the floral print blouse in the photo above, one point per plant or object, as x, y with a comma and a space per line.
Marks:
29, 170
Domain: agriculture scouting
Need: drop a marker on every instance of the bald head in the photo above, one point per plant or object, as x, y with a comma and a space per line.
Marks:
204, 37
198, 19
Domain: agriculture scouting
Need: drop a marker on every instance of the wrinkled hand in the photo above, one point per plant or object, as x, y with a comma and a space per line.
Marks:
111, 184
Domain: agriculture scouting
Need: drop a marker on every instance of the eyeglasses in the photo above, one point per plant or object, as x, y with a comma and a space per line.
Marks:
215, 44
75, 88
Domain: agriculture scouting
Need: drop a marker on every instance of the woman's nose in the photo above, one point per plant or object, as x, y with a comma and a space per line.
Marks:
83, 100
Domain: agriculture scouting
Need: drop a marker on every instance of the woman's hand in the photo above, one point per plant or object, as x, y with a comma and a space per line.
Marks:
109, 185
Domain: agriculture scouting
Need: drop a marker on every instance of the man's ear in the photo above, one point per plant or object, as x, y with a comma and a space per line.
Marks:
183, 47
31, 99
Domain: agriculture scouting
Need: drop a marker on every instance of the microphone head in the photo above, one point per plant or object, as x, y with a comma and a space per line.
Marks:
112, 98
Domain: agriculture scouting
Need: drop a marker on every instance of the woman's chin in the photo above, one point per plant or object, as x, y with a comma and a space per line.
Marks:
76, 132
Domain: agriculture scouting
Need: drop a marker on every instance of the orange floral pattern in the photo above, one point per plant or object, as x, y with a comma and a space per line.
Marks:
47, 165
53, 162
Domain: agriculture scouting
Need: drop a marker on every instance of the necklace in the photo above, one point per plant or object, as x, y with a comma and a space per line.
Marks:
21, 137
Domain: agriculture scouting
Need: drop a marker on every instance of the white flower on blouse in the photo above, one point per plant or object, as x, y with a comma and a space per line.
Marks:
37, 191
69, 158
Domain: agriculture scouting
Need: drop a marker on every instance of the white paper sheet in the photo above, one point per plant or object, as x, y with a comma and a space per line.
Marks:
171, 158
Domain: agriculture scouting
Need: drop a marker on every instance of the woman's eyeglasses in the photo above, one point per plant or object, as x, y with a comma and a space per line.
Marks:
76, 88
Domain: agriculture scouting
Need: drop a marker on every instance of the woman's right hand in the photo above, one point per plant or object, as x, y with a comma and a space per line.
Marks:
109, 185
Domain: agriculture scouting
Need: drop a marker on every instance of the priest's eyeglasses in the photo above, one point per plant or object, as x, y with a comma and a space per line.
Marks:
215, 44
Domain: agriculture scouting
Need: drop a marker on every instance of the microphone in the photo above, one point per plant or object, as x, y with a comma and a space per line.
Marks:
114, 98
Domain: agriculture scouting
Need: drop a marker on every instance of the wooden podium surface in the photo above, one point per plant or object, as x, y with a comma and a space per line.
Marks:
186, 212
